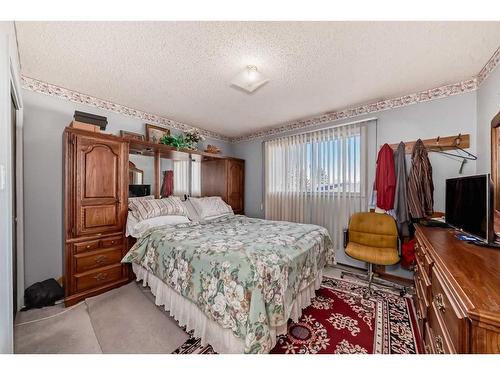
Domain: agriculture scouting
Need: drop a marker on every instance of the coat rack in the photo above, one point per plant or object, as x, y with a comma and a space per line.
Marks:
453, 142
442, 145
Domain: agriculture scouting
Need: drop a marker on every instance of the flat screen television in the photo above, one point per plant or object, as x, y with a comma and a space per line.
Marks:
469, 208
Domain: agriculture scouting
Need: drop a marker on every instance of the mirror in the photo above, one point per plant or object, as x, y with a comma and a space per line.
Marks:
135, 175
141, 176
178, 176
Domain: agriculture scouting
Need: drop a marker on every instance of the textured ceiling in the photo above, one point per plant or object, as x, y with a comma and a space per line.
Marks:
182, 70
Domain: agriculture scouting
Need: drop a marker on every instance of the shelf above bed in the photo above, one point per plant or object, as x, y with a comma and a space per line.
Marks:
167, 152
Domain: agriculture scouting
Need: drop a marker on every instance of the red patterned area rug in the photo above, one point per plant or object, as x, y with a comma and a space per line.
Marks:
340, 321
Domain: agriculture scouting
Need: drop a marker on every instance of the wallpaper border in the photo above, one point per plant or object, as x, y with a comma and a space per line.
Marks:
382, 105
42, 87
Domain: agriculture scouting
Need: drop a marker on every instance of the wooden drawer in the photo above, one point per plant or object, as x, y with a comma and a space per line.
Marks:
95, 259
446, 308
101, 276
87, 246
423, 285
428, 340
423, 258
419, 251
111, 242
440, 339
104, 243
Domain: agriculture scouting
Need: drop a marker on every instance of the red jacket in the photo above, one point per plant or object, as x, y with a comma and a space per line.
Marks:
385, 178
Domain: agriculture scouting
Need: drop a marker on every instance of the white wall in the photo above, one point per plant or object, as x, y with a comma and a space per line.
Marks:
9, 72
442, 117
488, 105
45, 118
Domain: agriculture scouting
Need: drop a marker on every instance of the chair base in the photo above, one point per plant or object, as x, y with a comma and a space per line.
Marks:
372, 279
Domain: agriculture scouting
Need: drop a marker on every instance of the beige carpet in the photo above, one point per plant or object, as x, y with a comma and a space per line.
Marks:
126, 321
123, 320
67, 333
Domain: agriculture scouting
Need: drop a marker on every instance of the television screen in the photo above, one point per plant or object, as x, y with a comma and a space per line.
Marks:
468, 205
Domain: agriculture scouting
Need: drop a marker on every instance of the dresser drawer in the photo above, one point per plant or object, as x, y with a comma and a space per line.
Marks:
423, 285
96, 259
428, 340
446, 308
87, 246
101, 276
423, 258
104, 243
111, 242
422, 301
440, 339
419, 251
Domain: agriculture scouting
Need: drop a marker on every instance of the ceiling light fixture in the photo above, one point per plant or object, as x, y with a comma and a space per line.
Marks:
250, 79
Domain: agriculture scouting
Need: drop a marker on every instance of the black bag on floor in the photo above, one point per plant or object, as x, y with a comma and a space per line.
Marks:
45, 293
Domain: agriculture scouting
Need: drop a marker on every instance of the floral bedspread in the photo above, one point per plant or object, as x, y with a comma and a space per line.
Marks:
244, 273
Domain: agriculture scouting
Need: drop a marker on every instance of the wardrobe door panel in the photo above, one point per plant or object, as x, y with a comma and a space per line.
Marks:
100, 185
101, 172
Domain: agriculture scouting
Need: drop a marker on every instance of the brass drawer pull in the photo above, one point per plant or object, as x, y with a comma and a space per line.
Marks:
87, 247
439, 344
101, 259
101, 276
438, 299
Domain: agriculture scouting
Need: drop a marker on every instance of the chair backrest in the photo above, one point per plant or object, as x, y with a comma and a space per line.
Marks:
373, 229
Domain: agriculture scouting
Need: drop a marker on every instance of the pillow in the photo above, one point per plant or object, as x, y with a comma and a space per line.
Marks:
135, 199
141, 227
147, 208
131, 223
210, 207
191, 210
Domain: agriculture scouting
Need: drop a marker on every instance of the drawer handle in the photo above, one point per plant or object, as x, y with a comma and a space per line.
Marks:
101, 276
440, 302
100, 259
113, 242
439, 344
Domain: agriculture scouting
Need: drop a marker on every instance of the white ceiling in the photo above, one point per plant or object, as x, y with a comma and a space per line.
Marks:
182, 70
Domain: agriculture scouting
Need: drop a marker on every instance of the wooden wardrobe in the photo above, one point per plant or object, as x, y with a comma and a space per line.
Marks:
225, 178
95, 211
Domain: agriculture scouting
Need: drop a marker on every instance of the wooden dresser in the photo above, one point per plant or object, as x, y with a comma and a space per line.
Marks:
225, 178
457, 293
95, 208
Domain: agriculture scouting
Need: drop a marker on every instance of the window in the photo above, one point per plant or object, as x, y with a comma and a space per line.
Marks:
182, 180
317, 177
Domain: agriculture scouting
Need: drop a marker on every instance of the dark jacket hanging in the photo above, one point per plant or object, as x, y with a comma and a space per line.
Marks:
385, 178
401, 197
420, 185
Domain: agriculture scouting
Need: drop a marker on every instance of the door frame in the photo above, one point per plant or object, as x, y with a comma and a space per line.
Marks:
15, 90
495, 135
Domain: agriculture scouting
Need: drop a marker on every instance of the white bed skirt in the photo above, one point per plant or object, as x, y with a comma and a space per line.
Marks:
188, 314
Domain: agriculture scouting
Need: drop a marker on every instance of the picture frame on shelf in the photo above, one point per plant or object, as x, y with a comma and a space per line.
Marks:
130, 135
155, 133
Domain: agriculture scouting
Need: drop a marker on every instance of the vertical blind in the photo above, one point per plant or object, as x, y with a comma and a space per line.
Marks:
317, 177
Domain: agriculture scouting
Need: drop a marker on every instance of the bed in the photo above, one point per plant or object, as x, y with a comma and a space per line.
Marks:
234, 280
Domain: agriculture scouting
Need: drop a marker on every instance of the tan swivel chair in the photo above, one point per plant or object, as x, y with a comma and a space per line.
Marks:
373, 238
